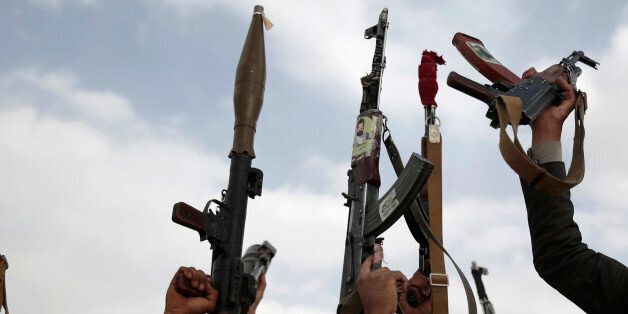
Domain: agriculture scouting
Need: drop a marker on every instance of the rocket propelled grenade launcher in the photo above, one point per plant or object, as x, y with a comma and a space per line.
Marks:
224, 227
535, 93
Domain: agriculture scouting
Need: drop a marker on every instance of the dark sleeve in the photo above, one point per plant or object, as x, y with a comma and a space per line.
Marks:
591, 280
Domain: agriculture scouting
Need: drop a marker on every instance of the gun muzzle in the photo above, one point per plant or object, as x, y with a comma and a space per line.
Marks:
250, 80
384, 14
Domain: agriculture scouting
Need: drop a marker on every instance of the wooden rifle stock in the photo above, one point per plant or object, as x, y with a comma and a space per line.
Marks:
472, 88
474, 51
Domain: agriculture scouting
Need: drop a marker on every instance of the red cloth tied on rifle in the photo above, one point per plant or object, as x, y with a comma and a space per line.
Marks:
428, 86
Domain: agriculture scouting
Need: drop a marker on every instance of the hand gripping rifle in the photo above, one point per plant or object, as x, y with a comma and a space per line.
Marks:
224, 228
256, 261
515, 101
477, 273
369, 216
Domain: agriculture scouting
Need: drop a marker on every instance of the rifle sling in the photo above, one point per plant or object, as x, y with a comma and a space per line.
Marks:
415, 209
436, 246
509, 112
4, 265
435, 213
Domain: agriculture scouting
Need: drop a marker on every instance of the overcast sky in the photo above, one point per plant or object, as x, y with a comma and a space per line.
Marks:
112, 111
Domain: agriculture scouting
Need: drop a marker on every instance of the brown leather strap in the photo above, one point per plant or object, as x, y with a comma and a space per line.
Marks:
438, 275
509, 112
4, 265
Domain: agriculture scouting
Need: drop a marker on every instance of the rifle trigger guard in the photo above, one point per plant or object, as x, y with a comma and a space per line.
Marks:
207, 208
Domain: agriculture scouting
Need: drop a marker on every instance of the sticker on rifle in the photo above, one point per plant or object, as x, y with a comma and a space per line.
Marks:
388, 205
366, 131
481, 52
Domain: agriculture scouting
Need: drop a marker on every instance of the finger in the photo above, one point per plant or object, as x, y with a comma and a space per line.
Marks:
202, 280
529, 73
566, 88
188, 272
196, 279
366, 266
176, 274
399, 276
262, 282
261, 286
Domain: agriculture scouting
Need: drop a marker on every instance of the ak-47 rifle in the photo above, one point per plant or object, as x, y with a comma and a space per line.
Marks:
516, 101
477, 273
369, 216
535, 93
224, 228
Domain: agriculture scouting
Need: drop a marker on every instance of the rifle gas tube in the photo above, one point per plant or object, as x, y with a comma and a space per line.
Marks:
224, 228
368, 215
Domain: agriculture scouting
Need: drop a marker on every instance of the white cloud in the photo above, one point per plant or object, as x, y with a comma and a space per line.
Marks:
92, 208
605, 183
87, 208
63, 88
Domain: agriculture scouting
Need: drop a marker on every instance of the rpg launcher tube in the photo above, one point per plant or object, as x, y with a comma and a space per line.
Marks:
250, 80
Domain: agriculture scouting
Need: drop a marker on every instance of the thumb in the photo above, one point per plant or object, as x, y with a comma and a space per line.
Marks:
366, 266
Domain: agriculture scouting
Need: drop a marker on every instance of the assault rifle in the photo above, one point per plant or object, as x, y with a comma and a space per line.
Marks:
369, 216
477, 273
224, 228
535, 93
513, 101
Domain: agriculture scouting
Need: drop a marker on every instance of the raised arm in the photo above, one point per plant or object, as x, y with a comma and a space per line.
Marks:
592, 280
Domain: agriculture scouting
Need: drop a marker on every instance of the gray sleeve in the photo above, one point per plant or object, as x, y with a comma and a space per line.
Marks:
546, 152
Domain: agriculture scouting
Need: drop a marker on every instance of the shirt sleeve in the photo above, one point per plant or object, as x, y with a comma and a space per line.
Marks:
593, 281
546, 152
